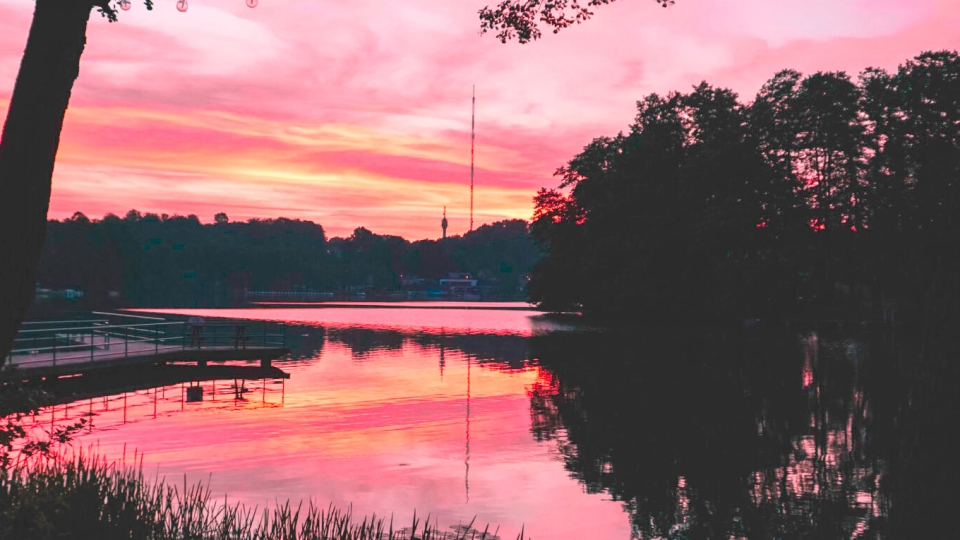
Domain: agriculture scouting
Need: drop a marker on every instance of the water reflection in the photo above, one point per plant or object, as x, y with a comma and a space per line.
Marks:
108, 400
401, 316
776, 435
732, 438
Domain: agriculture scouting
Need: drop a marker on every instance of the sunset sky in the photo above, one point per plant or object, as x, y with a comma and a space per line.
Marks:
358, 113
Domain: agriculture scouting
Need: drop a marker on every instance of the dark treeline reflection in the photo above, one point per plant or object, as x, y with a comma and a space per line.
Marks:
780, 437
507, 351
824, 196
775, 434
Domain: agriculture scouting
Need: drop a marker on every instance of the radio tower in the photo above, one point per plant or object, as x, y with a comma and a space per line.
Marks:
473, 109
443, 223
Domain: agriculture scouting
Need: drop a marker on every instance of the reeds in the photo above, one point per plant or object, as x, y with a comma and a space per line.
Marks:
88, 497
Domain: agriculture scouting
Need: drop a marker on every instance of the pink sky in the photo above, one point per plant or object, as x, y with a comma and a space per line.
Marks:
358, 113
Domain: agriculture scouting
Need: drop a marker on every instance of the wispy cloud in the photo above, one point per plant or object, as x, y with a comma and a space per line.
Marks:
358, 113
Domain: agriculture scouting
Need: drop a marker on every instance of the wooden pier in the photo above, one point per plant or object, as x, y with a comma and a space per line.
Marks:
71, 348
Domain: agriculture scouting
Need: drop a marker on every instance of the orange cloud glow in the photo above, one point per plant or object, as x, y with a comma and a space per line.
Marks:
358, 114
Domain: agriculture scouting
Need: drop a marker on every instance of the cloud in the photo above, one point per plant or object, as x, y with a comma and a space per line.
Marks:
358, 113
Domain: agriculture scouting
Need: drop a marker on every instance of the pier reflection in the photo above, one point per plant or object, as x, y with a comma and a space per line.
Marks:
107, 400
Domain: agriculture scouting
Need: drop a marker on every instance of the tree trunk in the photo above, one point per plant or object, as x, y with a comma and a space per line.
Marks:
28, 146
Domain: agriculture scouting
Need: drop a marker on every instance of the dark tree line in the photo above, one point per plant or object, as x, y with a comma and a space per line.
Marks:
152, 260
824, 196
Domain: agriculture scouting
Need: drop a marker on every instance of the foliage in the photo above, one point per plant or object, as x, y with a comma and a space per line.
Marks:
153, 260
519, 18
824, 194
59, 498
17, 443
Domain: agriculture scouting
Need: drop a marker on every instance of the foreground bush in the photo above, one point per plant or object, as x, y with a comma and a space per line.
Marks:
57, 498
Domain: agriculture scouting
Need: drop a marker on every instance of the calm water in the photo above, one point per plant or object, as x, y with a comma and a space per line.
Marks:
570, 432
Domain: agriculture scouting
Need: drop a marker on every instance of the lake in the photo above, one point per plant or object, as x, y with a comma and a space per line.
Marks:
519, 420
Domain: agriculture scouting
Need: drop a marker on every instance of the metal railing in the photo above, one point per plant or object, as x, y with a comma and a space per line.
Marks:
39, 325
41, 347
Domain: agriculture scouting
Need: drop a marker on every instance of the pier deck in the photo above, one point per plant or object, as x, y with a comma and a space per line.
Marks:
72, 350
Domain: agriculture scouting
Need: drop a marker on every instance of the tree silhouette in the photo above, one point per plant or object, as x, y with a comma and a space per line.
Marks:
823, 197
146, 260
30, 139
519, 19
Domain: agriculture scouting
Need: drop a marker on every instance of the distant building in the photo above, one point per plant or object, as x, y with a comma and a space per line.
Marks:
455, 281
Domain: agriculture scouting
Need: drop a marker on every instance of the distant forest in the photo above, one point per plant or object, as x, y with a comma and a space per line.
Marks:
151, 260
823, 197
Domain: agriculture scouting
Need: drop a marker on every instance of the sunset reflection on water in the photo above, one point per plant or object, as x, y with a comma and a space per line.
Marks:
518, 420
385, 430
510, 321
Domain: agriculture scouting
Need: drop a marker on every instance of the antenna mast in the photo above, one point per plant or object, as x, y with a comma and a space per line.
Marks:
473, 108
